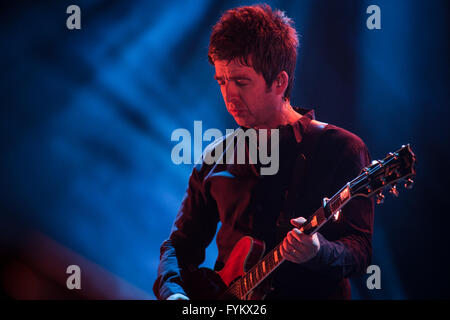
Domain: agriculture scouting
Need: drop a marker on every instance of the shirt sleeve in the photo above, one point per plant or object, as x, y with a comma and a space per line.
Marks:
193, 230
346, 245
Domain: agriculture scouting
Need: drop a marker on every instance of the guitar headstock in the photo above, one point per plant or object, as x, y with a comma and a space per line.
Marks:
386, 173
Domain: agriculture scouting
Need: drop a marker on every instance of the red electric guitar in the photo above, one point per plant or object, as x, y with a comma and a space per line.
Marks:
244, 271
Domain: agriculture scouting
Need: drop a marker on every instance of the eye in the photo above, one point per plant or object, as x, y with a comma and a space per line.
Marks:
241, 83
221, 82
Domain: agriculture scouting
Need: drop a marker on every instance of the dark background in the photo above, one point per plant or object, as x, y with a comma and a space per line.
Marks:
87, 117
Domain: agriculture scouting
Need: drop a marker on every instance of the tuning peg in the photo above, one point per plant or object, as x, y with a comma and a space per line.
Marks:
375, 162
394, 191
409, 184
392, 154
380, 198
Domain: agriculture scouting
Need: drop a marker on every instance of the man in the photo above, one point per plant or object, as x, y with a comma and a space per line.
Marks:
254, 50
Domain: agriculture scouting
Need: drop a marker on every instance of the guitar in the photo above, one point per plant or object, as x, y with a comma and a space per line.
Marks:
245, 271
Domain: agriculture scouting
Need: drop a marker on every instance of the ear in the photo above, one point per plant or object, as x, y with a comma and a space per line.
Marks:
280, 83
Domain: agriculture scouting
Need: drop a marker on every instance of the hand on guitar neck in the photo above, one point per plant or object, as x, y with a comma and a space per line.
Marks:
297, 246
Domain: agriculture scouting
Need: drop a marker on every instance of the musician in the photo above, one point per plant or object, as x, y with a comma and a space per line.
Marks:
253, 50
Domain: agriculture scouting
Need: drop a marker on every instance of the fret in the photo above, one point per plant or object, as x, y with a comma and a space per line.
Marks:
254, 276
247, 285
245, 279
344, 195
339, 199
280, 257
314, 221
335, 204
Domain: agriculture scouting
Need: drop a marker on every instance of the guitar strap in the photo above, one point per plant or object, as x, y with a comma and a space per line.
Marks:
296, 189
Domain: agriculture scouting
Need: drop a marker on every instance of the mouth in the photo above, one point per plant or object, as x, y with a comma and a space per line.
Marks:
237, 113
234, 110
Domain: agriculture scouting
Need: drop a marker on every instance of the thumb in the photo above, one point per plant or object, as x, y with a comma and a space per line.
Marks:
297, 222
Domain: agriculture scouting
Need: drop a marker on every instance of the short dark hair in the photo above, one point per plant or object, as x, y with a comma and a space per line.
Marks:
258, 35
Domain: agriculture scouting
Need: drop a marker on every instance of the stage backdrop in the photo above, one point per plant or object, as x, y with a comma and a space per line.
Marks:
87, 116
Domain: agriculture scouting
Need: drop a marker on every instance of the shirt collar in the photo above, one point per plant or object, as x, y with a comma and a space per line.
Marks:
296, 129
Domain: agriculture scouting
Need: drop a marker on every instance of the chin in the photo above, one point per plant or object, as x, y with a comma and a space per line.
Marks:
242, 123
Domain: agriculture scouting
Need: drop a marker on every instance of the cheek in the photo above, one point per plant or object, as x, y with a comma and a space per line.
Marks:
222, 90
249, 96
255, 98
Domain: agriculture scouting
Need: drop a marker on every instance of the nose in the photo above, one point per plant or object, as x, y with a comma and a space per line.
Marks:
231, 92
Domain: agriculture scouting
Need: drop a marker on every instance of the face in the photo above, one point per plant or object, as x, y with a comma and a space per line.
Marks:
245, 94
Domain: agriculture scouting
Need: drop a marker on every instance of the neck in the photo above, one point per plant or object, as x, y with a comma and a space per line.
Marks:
288, 115
283, 115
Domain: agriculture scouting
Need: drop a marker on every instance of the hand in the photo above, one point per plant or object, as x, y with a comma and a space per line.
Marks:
177, 296
298, 247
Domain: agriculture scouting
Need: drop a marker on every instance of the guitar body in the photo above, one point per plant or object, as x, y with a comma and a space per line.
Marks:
206, 284
245, 254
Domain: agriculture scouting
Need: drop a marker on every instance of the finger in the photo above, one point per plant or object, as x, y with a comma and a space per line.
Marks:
297, 222
293, 239
289, 257
297, 234
293, 251
297, 247
300, 236
287, 247
287, 253
291, 254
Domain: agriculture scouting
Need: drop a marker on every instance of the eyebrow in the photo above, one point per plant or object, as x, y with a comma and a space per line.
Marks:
236, 77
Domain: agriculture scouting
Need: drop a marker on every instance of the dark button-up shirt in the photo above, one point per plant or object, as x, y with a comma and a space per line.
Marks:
248, 203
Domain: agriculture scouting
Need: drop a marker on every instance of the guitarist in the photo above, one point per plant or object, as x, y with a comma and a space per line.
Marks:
253, 50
